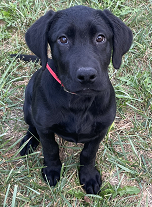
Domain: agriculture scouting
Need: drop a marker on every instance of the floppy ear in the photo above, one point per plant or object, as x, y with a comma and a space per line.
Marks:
122, 38
37, 37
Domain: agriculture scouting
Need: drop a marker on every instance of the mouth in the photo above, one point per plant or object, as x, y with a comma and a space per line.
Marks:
84, 91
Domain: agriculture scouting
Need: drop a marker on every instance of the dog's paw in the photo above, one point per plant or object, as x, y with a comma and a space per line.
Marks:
51, 175
90, 179
30, 146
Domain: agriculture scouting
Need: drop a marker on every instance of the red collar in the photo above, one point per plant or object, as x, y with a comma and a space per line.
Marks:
56, 78
53, 74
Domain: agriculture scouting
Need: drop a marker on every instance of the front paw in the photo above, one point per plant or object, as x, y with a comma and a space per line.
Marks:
51, 174
90, 179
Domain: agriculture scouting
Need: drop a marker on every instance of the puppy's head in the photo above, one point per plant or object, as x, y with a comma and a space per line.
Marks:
82, 41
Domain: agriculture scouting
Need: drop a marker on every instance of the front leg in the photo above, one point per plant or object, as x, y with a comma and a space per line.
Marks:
52, 163
90, 178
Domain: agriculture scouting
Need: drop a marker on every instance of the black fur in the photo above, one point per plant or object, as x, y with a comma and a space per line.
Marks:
82, 41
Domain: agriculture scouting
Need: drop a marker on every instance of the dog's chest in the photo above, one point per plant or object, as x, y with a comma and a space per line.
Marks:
79, 127
76, 120
80, 123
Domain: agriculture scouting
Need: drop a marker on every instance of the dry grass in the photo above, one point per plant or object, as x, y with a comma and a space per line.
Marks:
125, 155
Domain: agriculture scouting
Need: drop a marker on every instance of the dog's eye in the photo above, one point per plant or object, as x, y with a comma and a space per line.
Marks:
100, 38
63, 40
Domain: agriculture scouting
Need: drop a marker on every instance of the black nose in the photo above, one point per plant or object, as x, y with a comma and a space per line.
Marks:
86, 75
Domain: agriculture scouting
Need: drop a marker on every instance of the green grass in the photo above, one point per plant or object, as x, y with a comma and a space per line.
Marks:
125, 155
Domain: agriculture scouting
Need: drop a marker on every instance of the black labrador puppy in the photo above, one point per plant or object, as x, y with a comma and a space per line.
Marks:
71, 95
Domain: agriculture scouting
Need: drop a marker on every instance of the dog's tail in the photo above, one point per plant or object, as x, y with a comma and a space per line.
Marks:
27, 58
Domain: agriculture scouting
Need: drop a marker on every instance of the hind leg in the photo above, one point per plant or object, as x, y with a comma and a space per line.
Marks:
32, 143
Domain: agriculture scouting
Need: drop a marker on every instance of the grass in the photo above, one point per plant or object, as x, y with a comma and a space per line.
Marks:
125, 155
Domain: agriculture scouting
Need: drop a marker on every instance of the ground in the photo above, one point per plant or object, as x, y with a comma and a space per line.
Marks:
124, 158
